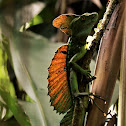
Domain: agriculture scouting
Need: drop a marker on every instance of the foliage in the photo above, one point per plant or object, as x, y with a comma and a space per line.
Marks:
27, 45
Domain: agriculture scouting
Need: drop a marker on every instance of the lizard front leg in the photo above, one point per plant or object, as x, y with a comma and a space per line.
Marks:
73, 77
76, 68
74, 85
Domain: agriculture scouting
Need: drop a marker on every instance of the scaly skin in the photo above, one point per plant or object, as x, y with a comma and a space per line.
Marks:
78, 28
76, 51
81, 27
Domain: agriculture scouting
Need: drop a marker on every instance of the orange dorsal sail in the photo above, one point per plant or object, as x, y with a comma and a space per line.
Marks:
58, 88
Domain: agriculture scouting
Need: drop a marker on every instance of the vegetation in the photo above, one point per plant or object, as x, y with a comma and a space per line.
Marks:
28, 42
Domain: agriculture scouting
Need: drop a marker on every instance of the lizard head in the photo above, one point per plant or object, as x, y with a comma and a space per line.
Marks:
89, 18
81, 26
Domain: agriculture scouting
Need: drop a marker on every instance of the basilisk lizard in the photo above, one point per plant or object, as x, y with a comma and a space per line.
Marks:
63, 83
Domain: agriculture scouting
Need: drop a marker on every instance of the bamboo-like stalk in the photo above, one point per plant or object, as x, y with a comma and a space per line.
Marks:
107, 68
86, 61
122, 86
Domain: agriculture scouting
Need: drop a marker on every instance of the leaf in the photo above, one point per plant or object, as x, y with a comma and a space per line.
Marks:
7, 92
15, 108
24, 12
31, 56
33, 111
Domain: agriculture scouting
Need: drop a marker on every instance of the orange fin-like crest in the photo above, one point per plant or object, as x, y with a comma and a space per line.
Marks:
58, 88
63, 23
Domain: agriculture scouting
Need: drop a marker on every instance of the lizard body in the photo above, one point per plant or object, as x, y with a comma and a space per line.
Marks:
63, 84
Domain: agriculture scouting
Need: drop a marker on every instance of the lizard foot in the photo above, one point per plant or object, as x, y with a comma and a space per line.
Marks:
77, 95
88, 94
89, 76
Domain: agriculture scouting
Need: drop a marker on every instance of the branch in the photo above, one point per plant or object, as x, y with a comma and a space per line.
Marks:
82, 103
101, 28
122, 86
107, 67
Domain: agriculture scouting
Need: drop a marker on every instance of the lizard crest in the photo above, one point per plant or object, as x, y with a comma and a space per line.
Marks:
78, 27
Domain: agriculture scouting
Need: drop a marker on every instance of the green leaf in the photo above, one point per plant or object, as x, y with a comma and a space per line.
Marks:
7, 92
31, 56
15, 108
36, 20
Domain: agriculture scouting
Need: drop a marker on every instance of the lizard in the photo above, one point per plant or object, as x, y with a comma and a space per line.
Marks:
62, 78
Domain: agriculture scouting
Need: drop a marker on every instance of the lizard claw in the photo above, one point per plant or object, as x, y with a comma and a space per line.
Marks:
89, 76
93, 77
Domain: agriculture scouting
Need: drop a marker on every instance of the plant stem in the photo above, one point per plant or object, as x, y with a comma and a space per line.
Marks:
122, 86
107, 67
86, 61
